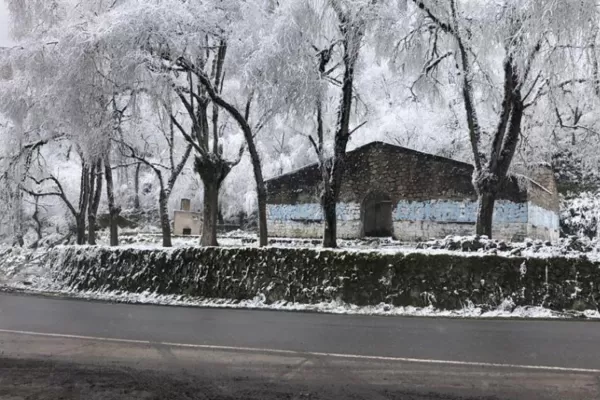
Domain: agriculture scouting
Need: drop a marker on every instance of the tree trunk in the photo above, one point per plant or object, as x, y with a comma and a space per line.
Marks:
328, 204
261, 191
210, 213
18, 221
485, 213
254, 156
262, 217
95, 195
136, 198
221, 218
84, 200
333, 180
91, 215
165, 222
80, 229
80, 222
91, 230
36, 219
17, 210
212, 171
113, 209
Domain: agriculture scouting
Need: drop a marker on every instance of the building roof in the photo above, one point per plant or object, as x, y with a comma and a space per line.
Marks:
379, 144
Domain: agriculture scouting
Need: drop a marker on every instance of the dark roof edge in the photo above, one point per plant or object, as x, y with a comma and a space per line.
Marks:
417, 153
379, 144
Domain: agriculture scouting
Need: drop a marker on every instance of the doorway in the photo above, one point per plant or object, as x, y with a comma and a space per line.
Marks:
377, 215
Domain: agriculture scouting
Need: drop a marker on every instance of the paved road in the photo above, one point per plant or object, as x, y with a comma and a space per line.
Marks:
168, 352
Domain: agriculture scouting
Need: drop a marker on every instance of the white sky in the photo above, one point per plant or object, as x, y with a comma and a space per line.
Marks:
4, 36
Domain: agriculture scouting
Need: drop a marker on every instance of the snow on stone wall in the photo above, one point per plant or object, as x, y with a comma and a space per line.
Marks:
445, 281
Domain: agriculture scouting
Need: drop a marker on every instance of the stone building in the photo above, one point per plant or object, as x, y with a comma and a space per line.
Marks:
186, 222
394, 191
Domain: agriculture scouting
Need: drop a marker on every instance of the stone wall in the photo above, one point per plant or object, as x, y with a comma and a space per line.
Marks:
309, 212
431, 197
542, 189
412, 220
312, 229
542, 223
416, 231
446, 211
543, 204
446, 281
401, 173
408, 231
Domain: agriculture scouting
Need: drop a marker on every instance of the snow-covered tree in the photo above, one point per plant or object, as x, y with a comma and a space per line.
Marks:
159, 153
68, 78
177, 52
312, 46
503, 51
103, 87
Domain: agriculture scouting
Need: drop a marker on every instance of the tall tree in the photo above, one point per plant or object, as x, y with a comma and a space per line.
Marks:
147, 152
184, 46
315, 61
205, 84
50, 185
521, 35
352, 26
71, 80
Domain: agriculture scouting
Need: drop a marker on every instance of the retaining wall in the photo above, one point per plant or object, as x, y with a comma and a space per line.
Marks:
446, 281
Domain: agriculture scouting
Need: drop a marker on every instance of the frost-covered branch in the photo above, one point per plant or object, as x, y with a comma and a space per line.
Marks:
60, 192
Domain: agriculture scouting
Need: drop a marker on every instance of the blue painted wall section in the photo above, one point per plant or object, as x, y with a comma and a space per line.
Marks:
289, 212
458, 211
541, 217
311, 212
444, 211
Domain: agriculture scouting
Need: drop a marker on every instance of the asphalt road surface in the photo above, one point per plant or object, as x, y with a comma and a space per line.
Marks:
70, 349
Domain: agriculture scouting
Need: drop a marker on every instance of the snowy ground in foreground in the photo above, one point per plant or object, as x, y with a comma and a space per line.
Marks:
466, 246
28, 274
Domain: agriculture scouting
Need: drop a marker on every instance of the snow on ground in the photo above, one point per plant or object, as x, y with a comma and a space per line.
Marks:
580, 214
149, 240
467, 246
21, 266
505, 310
21, 270
570, 247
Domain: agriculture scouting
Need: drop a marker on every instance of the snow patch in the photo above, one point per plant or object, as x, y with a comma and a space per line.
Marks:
504, 310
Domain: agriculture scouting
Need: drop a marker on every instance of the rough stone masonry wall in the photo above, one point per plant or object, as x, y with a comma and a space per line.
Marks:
416, 231
544, 206
412, 221
311, 230
432, 197
311, 276
305, 220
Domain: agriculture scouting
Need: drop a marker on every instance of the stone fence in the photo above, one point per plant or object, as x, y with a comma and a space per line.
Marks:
446, 281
